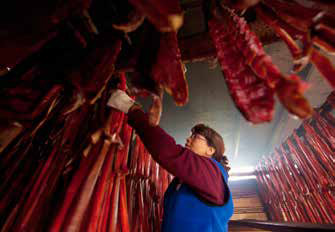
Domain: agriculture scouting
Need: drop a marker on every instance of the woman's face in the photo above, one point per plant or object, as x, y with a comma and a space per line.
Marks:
198, 144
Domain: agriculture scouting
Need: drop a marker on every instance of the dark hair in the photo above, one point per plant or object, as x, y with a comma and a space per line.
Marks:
215, 140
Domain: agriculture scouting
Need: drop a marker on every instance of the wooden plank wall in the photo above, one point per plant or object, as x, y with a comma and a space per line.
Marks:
247, 203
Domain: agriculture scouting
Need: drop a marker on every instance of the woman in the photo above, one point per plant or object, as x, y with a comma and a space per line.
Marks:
198, 199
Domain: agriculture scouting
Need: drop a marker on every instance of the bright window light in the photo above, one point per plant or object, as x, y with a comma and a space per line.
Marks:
243, 169
236, 178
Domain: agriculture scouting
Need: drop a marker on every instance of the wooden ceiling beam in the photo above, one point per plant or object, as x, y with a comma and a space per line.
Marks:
189, 4
200, 47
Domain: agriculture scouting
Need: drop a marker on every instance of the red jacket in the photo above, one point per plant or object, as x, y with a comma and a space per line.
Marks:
198, 172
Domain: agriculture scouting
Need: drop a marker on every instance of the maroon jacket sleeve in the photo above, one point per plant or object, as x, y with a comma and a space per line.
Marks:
199, 172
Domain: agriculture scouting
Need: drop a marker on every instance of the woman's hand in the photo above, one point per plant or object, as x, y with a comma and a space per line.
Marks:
121, 101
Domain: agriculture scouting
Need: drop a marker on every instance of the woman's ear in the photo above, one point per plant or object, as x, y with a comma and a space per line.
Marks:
210, 151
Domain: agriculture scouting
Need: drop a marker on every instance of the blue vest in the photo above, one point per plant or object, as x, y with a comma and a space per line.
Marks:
184, 211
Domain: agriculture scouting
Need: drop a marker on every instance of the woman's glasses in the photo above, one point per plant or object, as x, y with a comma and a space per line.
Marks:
201, 137
198, 136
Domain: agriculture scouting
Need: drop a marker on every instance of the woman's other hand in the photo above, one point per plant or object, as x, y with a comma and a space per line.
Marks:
120, 101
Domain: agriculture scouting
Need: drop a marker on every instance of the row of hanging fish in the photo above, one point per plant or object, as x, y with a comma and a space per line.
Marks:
297, 181
80, 168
